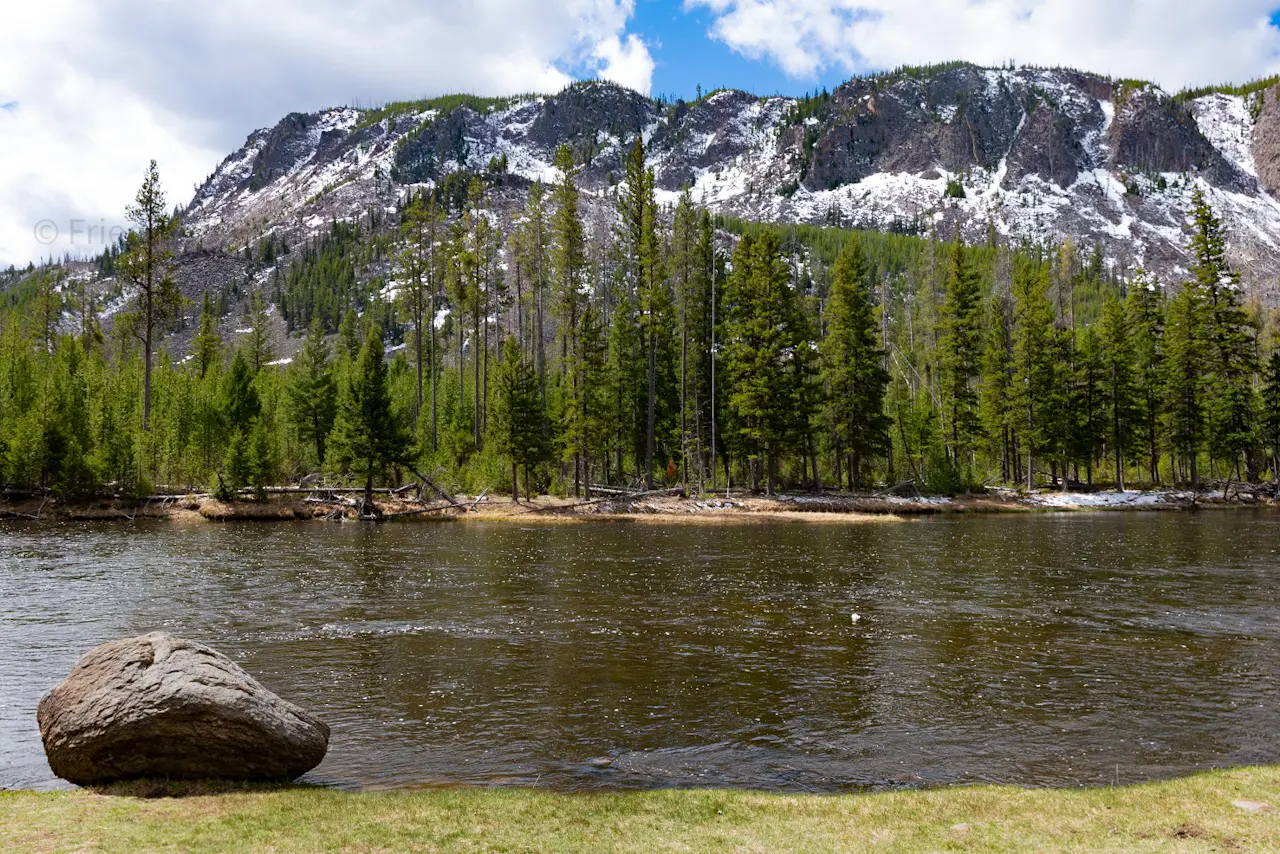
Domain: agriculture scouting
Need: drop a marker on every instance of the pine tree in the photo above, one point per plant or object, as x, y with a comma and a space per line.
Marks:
996, 404
68, 467
1230, 409
146, 264
312, 392
853, 376
625, 379
418, 264
207, 345
462, 287
1118, 373
629, 344
367, 431
261, 350
210, 429
49, 305
237, 468
654, 304
262, 462
763, 332
569, 262
1059, 405
583, 427
240, 402
1144, 312
349, 336
533, 264
1271, 412
518, 426
482, 290
1184, 377
1033, 368
688, 274
1088, 401
240, 409
961, 352
705, 390
90, 328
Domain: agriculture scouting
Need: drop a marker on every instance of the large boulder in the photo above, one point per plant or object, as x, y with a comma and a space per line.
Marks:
160, 706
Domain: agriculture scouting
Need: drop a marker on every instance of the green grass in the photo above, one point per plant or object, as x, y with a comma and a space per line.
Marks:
1188, 815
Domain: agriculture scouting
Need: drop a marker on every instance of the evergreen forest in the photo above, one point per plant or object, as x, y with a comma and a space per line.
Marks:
655, 346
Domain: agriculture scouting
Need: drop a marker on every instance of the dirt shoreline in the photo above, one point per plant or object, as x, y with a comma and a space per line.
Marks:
803, 508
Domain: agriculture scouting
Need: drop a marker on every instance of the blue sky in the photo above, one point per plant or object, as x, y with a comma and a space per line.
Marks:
685, 56
763, 53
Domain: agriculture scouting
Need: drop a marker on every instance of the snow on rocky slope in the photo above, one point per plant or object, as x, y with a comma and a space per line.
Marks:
1041, 155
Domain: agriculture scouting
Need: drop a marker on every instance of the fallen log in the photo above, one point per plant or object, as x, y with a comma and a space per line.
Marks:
433, 487
677, 491
891, 490
613, 490
275, 490
14, 492
478, 500
424, 510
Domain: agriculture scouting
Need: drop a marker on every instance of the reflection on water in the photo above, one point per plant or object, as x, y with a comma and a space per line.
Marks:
1025, 649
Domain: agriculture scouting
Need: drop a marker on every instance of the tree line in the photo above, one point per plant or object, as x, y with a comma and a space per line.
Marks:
639, 345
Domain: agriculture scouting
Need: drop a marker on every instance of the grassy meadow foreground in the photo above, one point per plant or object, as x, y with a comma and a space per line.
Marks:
1220, 811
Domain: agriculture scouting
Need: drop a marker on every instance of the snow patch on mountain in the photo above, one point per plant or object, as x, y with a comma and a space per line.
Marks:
1011, 138
1227, 124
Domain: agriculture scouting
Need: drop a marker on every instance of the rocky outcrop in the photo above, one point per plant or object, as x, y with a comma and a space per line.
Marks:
1154, 133
1266, 140
583, 113
705, 135
956, 120
438, 145
286, 145
160, 706
1048, 147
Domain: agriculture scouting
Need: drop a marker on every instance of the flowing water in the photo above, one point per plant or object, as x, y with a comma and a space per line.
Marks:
1039, 649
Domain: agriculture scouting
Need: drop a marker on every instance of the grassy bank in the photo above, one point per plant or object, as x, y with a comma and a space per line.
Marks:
1223, 811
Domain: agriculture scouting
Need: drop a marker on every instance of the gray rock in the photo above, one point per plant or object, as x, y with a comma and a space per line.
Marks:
160, 706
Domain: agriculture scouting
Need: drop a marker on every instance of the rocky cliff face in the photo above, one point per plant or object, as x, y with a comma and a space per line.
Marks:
1040, 155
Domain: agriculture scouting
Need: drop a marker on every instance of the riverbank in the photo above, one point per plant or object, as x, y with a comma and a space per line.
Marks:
1221, 811
298, 504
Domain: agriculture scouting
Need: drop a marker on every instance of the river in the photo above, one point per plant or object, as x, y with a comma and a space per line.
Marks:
1039, 649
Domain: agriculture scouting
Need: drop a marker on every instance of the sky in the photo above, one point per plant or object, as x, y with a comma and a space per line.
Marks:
91, 91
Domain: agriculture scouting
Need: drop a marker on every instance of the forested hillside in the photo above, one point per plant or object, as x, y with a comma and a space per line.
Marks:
558, 346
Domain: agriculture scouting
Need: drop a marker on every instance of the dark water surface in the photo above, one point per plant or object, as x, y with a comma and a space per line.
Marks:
1040, 649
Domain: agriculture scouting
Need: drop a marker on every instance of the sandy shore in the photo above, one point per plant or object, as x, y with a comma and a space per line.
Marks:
732, 507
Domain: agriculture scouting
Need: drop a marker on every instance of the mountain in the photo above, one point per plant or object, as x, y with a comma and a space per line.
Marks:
1041, 155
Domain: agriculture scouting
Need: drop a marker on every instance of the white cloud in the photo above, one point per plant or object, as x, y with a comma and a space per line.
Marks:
1175, 44
627, 62
91, 91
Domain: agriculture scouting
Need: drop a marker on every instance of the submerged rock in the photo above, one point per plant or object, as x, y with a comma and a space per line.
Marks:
160, 706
